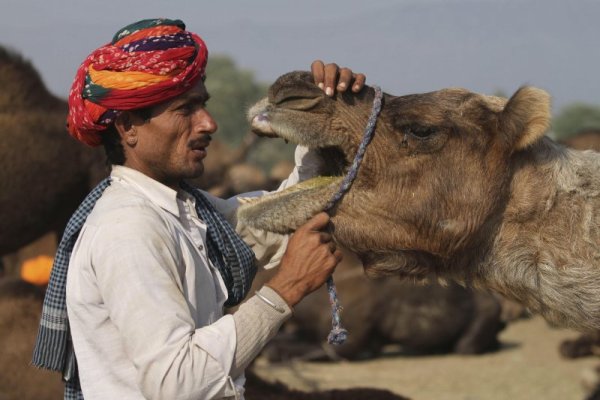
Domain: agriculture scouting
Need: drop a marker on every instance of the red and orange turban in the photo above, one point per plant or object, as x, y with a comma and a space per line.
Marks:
146, 63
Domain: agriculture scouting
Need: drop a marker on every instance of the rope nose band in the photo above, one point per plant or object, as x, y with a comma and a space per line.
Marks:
338, 334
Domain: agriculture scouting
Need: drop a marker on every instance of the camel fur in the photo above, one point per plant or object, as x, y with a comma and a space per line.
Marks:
454, 184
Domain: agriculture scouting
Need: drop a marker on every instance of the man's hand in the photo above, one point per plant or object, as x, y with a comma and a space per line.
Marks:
310, 258
330, 76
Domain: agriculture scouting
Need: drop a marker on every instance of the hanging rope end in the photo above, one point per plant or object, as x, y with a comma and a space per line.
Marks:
337, 336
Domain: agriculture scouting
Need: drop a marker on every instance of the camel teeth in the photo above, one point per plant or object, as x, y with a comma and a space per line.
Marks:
246, 200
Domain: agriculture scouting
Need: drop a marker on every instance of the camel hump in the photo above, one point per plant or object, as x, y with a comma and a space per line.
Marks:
22, 86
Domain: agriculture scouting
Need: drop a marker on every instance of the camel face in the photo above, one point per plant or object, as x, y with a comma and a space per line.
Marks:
453, 184
433, 176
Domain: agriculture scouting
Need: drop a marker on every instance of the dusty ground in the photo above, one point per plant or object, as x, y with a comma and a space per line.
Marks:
528, 367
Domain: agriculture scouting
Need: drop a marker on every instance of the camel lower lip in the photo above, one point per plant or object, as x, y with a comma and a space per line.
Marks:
310, 196
262, 127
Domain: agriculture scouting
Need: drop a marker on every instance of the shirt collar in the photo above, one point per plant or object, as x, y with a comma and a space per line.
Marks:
161, 195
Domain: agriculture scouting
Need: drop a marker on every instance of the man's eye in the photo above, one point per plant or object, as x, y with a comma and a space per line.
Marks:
187, 108
192, 107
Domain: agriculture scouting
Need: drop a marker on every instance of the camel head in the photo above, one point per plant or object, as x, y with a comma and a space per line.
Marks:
432, 180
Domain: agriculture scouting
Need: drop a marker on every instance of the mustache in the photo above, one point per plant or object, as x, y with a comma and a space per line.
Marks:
199, 143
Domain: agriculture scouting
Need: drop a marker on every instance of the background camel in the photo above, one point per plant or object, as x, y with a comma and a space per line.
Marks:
379, 312
588, 139
20, 310
44, 173
455, 184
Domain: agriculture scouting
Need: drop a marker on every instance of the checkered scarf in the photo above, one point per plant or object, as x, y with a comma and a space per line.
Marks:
226, 250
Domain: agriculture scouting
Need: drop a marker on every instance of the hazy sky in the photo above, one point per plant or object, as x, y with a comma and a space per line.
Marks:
405, 46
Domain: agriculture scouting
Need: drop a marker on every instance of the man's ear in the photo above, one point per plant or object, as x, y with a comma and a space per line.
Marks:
526, 117
126, 128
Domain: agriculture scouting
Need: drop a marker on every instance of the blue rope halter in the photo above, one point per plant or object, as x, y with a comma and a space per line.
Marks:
338, 334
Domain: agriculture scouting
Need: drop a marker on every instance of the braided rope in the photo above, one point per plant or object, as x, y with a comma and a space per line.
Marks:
338, 334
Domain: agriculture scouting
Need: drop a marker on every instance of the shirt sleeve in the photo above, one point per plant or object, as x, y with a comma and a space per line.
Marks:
135, 260
256, 322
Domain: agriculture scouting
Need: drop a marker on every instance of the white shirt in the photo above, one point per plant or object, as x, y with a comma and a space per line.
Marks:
145, 304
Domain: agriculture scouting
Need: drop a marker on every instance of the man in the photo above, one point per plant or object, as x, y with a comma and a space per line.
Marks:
155, 262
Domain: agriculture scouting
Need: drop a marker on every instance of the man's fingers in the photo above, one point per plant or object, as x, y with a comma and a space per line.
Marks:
359, 82
317, 222
332, 247
331, 76
318, 71
325, 237
338, 255
345, 79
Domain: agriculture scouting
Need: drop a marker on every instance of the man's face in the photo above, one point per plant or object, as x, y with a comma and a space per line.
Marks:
172, 143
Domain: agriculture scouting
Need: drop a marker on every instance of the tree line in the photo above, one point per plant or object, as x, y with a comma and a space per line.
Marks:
233, 90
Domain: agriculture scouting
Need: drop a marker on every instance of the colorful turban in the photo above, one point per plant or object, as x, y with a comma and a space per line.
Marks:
146, 63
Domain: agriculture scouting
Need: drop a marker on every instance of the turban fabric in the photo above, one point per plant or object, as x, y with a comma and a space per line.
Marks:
146, 63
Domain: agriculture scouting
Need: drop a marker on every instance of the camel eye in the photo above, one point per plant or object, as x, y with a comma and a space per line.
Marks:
419, 131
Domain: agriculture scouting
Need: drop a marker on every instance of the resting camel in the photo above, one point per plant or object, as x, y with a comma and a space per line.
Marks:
44, 173
454, 184
422, 319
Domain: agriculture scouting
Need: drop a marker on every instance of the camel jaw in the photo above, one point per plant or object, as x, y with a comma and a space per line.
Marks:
283, 212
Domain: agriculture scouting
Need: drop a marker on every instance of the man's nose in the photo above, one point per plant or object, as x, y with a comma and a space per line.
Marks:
204, 122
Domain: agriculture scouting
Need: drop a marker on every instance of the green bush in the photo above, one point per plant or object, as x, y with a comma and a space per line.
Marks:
233, 91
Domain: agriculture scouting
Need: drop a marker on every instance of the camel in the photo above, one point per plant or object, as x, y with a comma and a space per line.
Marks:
415, 319
44, 173
20, 310
588, 139
454, 184
382, 313
588, 343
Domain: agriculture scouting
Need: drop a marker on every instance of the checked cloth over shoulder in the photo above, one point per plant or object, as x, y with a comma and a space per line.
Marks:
226, 250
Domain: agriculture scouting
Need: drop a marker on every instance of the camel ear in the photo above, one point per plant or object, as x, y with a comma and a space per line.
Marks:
526, 116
